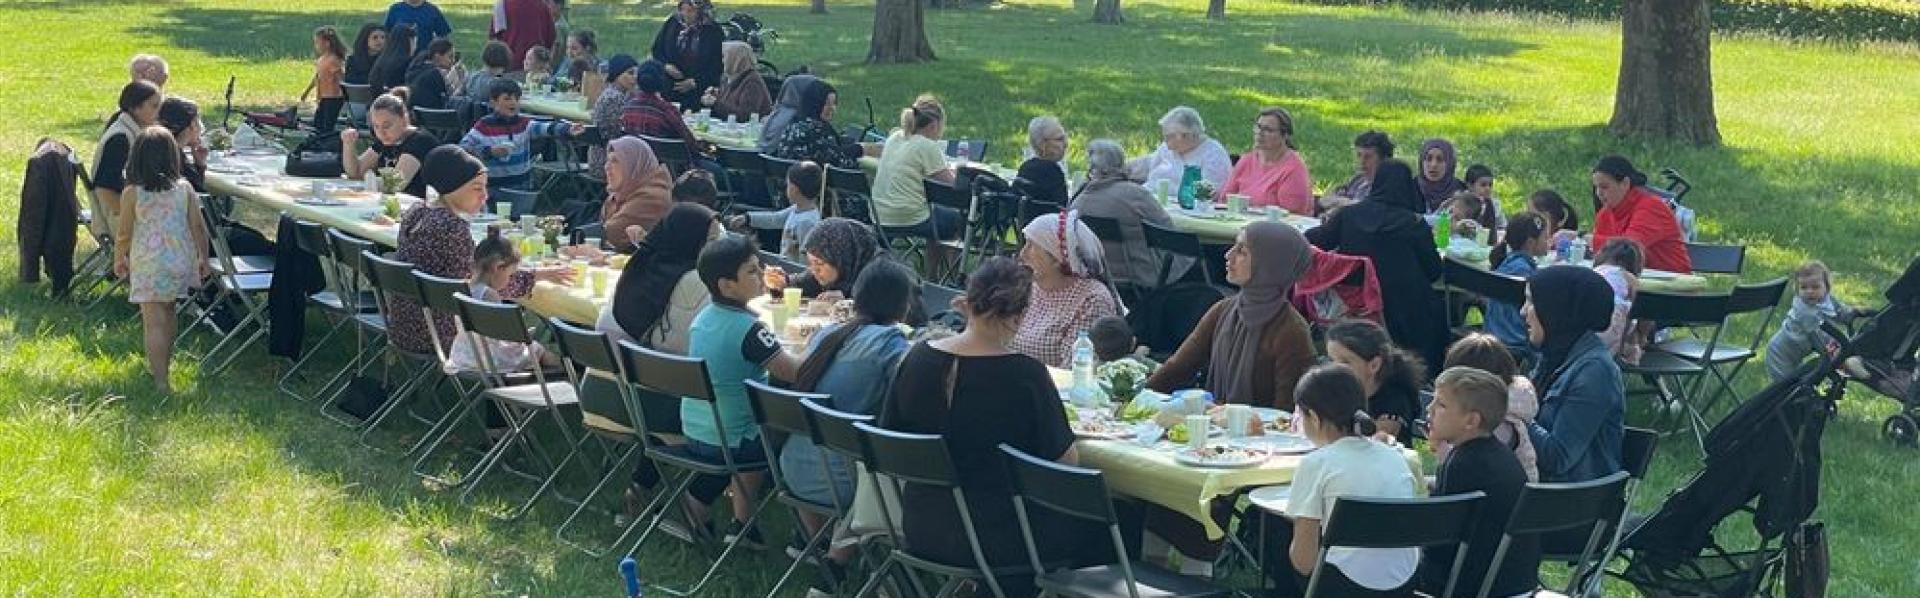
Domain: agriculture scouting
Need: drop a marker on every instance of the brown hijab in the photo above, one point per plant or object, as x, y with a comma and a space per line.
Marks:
1280, 257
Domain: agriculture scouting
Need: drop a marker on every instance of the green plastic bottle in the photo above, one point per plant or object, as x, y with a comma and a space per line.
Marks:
1188, 179
1442, 230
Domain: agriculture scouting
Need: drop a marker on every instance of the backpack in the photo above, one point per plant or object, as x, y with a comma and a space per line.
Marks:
317, 157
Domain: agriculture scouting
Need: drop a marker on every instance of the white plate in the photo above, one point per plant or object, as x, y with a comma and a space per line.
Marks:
1110, 432
1273, 499
1186, 457
1279, 444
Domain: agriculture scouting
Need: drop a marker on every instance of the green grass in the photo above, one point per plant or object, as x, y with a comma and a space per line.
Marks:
231, 489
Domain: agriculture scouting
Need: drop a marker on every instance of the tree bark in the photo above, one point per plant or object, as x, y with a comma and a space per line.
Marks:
1666, 72
1108, 12
1217, 10
899, 33
819, 7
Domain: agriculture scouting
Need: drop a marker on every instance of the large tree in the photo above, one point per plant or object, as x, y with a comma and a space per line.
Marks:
819, 7
1666, 72
1217, 9
1108, 11
899, 33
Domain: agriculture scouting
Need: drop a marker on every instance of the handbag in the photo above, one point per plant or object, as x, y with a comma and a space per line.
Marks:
317, 157
1807, 563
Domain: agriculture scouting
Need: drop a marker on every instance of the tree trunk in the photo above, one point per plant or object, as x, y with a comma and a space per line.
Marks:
899, 33
1217, 10
819, 7
1666, 72
1108, 11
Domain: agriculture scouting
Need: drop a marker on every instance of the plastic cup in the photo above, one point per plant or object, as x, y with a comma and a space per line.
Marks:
1274, 213
790, 297
1238, 418
593, 242
598, 278
580, 268
503, 209
1197, 430
618, 261
1236, 203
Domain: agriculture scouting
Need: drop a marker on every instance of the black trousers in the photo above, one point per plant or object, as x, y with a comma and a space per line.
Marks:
327, 115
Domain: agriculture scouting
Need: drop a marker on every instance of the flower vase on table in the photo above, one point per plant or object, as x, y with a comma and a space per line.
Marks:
551, 227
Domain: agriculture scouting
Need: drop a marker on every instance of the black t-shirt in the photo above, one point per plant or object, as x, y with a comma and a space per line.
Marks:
1002, 399
1398, 400
110, 169
1048, 182
1484, 464
418, 144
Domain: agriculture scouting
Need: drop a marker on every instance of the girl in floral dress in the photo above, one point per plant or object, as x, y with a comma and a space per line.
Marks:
161, 244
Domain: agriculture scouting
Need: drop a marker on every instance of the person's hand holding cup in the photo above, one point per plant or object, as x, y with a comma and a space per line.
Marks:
774, 278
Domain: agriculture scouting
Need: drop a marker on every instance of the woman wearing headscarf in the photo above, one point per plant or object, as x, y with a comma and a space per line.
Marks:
689, 45
1437, 166
801, 127
837, 250
1254, 347
1110, 194
743, 94
653, 305
639, 190
1388, 228
390, 69
1582, 411
623, 78
1069, 287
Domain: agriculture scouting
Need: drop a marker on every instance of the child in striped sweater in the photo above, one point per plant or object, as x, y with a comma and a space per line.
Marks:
503, 139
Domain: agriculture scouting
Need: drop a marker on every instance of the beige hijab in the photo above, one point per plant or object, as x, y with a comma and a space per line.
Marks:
1280, 257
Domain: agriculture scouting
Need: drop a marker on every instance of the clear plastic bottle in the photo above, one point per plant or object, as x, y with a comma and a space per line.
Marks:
964, 153
1085, 392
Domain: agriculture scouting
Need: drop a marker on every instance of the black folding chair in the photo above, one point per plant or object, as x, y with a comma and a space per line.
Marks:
1108, 231
1763, 298
686, 377
782, 417
443, 124
1172, 244
673, 153
1547, 508
521, 404
390, 280
359, 97
741, 165
1482, 283
1081, 494
237, 284
340, 300
586, 354
902, 458
1704, 314
937, 302
852, 194
438, 296
1637, 448
1717, 259
976, 149
1397, 523
774, 171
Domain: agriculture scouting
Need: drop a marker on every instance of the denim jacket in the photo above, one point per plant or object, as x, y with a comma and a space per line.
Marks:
1582, 416
1503, 319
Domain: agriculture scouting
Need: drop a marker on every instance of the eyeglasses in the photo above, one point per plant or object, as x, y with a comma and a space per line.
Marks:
1268, 130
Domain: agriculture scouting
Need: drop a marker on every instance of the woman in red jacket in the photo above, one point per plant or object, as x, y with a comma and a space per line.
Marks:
1628, 209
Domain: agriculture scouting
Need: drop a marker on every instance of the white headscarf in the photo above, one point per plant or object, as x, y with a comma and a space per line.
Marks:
1079, 250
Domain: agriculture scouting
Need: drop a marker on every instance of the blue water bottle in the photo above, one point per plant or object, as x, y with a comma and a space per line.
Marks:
631, 571
1189, 178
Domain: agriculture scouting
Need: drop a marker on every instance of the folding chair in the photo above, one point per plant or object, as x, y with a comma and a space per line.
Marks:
1081, 494
1705, 313
901, 458
359, 97
741, 165
959, 196
521, 404
438, 296
937, 302
389, 280
568, 165
686, 377
1108, 231
1485, 284
247, 291
1637, 448
340, 300
1172, 243
782, 416
1717, 259
673, 153
515, 198
1547, 508
1396, 523
96, 269
852, 194
444, 124
976, 149
587, 354
1744, 299
774, 171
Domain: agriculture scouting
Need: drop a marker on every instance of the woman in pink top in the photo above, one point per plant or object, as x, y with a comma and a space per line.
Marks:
1273, 173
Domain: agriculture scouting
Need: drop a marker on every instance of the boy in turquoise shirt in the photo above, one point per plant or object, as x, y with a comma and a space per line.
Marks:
736, 347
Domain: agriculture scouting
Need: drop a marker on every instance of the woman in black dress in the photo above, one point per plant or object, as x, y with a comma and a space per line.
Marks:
1387, 228
689, 44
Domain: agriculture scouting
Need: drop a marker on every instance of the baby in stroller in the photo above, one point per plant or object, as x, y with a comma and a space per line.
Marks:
1883, 352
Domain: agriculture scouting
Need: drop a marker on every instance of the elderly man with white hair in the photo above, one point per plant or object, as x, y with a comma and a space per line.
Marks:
1109, 194
149, 68
1045, 170
1184, 142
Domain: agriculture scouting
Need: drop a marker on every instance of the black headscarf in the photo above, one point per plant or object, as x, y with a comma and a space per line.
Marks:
619, 65
1393, 185
652, 77
668, 253
1571, 302
813, 99
390, 69
790, 107
448, 167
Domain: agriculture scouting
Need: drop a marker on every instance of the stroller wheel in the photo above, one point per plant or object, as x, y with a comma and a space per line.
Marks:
1901, 429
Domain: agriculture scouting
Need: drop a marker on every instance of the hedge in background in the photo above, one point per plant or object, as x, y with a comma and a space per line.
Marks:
1828, 20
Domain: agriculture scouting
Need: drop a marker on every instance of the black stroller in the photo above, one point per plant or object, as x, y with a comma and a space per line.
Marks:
1883, 356
1764, 460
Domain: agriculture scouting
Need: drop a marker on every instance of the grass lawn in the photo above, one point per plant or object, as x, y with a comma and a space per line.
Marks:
231, 489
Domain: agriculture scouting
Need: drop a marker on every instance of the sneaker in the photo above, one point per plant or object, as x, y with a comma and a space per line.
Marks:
824, 586
797, 548
747, 537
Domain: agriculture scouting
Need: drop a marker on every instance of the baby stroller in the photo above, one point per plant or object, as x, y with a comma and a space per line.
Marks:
1883, 356
1762, 460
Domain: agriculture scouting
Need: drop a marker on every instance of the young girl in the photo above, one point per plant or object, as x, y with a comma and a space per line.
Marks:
1560, 214
1489, 354
1528, 238
1620, 261
1390, 375
1480, 183
806, 184
159, 263
494, 262
1331, 410
329, 69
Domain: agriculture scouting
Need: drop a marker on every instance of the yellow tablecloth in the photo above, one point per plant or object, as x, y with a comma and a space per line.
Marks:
575, 304
267, 188
1223, 227
571, 107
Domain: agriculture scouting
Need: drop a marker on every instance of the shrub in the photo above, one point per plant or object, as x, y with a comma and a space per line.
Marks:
1818, 19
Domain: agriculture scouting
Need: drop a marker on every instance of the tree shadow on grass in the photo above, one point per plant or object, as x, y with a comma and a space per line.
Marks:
257, 36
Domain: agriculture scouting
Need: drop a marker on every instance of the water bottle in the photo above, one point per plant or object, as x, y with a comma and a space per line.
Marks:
1084, 389
1442, 230
1577, 251
964, 153
1189, 178
630, 571
1560, 250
